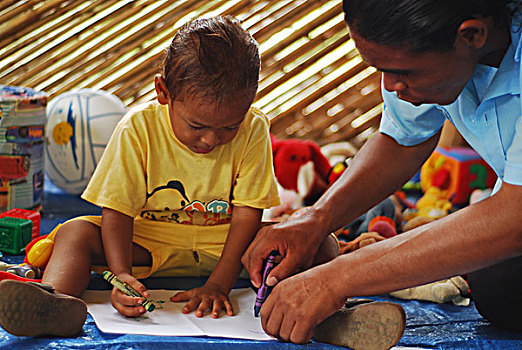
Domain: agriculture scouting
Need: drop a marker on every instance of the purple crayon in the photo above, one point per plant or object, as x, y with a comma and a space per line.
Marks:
263, 291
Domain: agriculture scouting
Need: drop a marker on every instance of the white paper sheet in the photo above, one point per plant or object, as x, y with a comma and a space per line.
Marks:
170, 321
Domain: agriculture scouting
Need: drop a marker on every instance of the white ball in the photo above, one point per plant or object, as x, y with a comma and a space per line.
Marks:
79, 126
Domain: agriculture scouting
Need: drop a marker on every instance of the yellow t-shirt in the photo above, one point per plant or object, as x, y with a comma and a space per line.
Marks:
147, 173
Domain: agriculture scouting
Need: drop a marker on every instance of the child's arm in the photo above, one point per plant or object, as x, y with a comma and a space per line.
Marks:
117, 231
214, 294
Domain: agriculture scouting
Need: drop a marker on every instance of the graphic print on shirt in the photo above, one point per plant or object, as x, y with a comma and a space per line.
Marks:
180, 209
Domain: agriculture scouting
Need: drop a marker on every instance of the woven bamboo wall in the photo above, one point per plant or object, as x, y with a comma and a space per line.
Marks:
313, 83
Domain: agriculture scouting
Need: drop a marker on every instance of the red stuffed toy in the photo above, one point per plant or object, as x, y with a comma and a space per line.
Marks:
291, 154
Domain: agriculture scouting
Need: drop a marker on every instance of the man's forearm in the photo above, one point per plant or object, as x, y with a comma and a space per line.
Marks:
379, 169
466, 240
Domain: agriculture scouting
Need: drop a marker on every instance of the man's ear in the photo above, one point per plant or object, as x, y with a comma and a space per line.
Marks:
161, 89
473, 32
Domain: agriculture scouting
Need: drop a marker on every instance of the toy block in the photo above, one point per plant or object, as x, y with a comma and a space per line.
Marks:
15, 234
34, 216
459, 170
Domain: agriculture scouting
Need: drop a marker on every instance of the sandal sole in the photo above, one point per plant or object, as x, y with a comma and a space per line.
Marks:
367, 326
29, 310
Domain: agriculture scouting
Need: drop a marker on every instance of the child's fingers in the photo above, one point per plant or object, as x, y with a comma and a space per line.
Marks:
130, 311
140, 287
126, 305
180, 296
217, 306
222, 305
204, 305
229, 308
135, 284
191, 305
129, 301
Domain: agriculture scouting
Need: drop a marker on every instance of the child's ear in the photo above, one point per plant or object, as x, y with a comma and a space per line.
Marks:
161, 89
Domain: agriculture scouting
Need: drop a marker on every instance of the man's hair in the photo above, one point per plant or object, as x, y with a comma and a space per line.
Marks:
421, 25
212, 58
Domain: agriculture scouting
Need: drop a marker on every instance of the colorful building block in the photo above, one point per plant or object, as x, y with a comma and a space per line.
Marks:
459, 170
15, 234
34, 216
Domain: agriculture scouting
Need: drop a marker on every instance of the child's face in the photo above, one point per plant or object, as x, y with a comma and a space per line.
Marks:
202, 126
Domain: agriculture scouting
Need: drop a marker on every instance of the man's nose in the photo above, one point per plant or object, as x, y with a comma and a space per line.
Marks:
392, 83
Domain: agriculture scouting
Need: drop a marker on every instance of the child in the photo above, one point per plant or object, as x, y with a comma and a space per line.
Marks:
182, 184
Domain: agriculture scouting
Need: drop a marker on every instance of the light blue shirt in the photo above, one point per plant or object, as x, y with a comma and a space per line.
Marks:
487, 113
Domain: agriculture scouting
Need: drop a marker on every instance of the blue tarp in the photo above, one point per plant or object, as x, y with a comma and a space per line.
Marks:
429, 325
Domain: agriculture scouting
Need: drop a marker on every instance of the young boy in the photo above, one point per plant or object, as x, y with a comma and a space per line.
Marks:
182, 184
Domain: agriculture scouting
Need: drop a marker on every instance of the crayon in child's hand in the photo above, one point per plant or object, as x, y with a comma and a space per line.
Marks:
125, 288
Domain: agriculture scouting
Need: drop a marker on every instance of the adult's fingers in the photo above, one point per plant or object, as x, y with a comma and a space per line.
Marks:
286, 328
301, 332
256, 253
287, 267
271, 320
253, 262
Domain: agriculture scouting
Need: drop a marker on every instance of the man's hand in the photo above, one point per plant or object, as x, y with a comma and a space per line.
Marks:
297, 241
299, 303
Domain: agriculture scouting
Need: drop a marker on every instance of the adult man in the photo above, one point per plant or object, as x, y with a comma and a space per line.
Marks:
439, 59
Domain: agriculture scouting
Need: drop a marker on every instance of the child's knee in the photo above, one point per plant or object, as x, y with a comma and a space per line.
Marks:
328, 250
78, 232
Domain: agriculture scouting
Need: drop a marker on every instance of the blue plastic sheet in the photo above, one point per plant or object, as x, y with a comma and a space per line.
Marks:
428, 325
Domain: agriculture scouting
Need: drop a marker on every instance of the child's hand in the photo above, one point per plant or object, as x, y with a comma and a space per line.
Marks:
127, 305
210, 296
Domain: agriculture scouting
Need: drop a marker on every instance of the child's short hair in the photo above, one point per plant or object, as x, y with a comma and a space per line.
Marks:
212, 58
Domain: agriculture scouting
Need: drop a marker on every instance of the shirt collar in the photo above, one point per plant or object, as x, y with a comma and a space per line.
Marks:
504, 83
516, 37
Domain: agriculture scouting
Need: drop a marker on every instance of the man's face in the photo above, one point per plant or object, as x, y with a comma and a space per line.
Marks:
429, 77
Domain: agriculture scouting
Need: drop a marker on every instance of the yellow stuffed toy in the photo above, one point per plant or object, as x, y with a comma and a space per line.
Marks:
433, 204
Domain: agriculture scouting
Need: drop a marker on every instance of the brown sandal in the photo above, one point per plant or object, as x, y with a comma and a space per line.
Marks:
363, 324
34, 309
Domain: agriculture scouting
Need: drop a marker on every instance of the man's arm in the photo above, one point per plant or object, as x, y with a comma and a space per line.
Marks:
469, 239
379, 169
